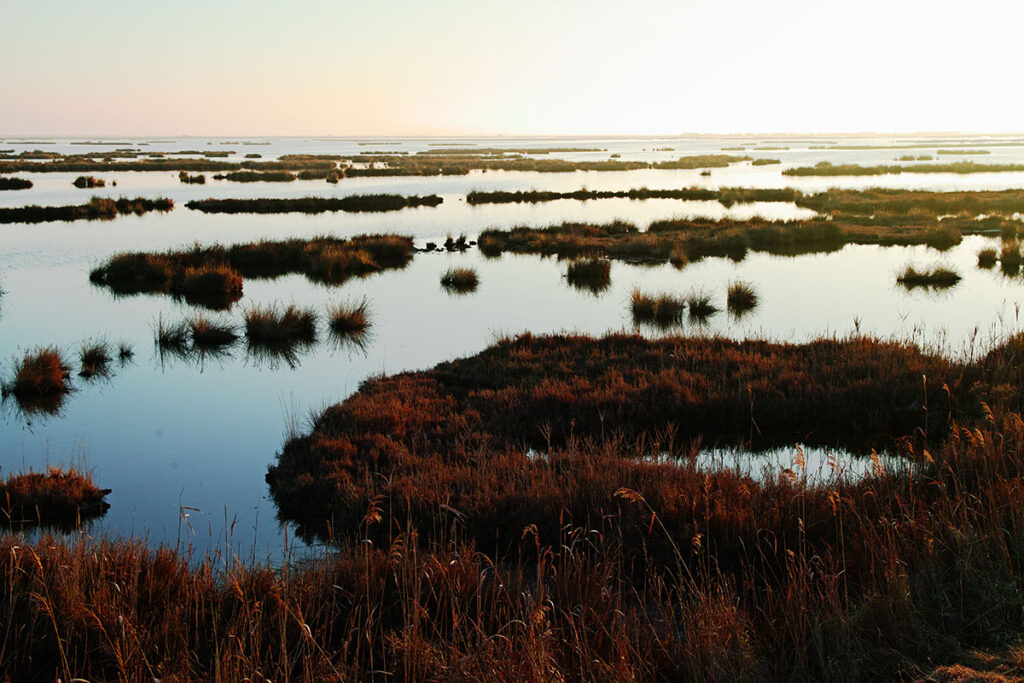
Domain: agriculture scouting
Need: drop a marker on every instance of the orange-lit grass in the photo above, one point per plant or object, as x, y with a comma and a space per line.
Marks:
58, 496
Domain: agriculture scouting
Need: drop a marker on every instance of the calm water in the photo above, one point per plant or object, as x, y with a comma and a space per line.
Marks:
179, 435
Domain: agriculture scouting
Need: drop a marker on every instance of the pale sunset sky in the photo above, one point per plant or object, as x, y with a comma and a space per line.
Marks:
532, 67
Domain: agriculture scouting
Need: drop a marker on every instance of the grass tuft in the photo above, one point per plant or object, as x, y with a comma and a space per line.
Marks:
460, 280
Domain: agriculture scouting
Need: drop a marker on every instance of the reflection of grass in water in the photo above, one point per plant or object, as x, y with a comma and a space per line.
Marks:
589, 274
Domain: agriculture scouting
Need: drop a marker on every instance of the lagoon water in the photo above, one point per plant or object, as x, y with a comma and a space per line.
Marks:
184, 436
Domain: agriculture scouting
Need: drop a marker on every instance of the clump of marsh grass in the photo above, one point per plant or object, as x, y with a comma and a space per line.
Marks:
661, 310
94, 359
987, 258
213, 286
347, 319
1010, 257
57, 497
274, 326
700, 306
171, 338
741, 298
591, 274
460, 280
86, 181
937, 277
210, 334
198, 179
41, 372
125, 352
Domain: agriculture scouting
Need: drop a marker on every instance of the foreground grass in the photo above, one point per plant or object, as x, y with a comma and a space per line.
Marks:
473, 557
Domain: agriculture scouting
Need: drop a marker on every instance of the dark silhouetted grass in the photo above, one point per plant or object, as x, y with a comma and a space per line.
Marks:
15, 183
324, 259
345, 318
460, 280
987, 258
661, 310
97, 209
208, 334
700, 306
94, 359
938, 277
184, 177
590, 274
260, 176
279, 326
376, 202
741, 298
88, 181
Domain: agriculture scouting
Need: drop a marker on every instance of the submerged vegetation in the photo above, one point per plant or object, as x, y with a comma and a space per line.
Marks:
372, 202
98, 208
216, 273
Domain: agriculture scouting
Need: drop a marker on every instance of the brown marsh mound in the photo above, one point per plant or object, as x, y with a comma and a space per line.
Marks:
184, 177
937, 277
60, 497
15, 183
98, 208
546, 392
218, 271
84, 181
373, 202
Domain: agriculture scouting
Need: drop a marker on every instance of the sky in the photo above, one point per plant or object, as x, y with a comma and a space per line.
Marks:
531, 67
